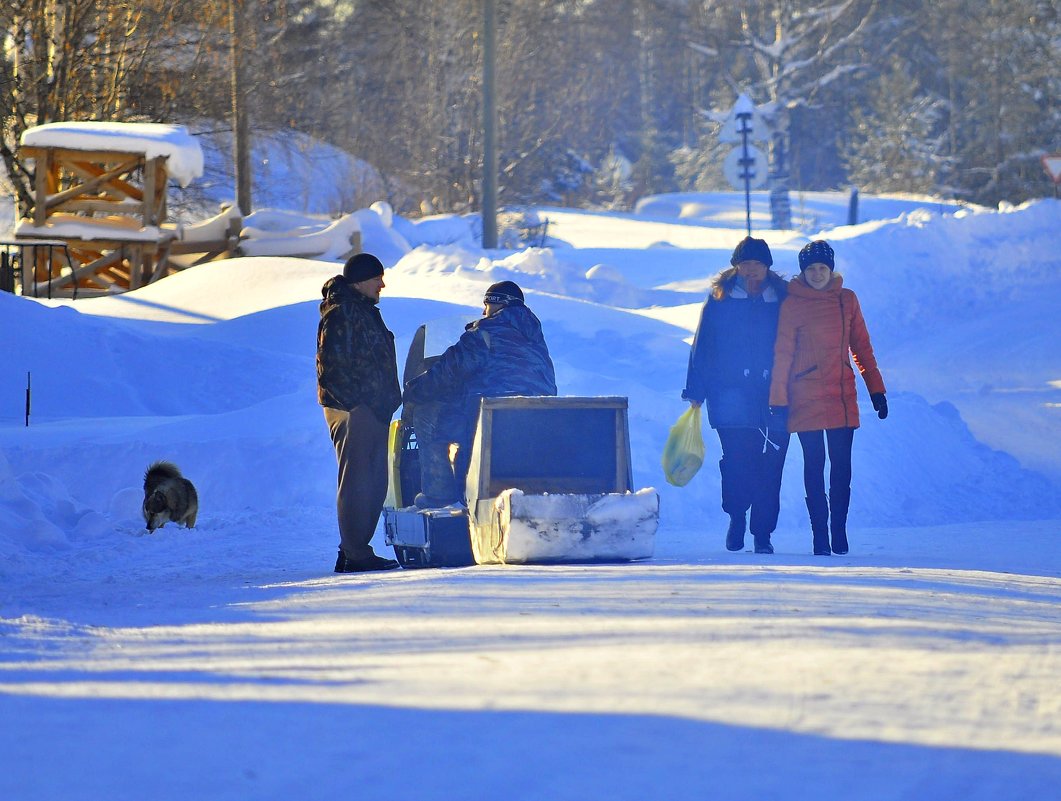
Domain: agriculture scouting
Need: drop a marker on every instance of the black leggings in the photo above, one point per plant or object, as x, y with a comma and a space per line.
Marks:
813, 443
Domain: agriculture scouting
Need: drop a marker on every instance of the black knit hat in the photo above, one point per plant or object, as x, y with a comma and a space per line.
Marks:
362, 267
751, 249
504, 293
817, 252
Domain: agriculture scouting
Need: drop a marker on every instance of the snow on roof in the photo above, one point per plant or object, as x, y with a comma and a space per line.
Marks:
185, 157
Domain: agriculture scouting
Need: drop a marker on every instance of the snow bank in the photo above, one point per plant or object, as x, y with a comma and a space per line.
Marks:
335, 241
443, 229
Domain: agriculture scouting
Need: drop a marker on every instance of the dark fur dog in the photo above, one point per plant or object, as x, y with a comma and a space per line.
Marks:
168, 496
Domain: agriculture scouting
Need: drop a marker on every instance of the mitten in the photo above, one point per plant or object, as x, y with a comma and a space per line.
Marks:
880, 404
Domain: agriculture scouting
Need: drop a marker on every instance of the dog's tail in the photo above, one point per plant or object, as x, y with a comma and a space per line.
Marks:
157, 473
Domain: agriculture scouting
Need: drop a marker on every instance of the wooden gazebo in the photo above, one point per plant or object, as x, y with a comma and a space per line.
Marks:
101, 189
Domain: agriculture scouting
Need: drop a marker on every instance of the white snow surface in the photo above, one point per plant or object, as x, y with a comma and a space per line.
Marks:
70, 226
182, 151
229, 662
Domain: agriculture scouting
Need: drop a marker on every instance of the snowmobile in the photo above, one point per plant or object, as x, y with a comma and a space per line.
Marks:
549, 481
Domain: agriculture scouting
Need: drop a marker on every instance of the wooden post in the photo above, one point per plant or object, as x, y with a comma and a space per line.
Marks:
161, 176
241, 158
40, 187
489, 199
150, 176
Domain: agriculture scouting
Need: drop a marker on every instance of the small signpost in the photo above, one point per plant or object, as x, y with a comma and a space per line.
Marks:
1052, 165
746, 166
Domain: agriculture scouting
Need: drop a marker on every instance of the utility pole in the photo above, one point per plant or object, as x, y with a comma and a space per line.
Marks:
489, 201
241, 158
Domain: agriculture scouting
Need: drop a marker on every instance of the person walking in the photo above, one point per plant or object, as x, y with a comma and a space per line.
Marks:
729, 371
357, 385
502, 354
820, 329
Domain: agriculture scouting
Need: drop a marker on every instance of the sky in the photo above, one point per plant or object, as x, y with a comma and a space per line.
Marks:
228, 661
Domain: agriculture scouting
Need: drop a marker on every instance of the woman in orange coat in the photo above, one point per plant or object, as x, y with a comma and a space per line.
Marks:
819, 330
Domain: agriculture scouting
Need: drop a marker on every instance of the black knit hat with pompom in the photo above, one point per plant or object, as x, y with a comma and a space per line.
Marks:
817, 252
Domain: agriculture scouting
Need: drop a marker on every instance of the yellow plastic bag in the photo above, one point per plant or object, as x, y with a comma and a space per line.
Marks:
394, 476
684, 452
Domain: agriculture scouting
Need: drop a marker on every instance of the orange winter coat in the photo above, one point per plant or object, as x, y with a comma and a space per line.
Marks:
817, 333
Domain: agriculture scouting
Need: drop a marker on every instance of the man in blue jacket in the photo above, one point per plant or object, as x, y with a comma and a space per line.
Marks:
502, 354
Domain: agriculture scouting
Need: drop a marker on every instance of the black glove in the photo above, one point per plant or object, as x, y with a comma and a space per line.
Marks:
880, 404
779, 413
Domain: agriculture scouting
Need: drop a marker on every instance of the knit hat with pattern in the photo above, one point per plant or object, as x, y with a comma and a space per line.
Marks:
817, 252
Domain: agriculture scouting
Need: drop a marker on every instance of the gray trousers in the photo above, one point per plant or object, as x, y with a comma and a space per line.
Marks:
360, 441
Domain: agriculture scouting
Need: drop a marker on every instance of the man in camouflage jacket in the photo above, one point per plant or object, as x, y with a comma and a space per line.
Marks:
357, 384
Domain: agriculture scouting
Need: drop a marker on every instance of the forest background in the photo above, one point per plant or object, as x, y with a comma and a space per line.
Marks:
599, 102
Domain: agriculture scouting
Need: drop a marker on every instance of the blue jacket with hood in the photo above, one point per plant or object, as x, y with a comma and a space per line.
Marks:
732, 358
497, 356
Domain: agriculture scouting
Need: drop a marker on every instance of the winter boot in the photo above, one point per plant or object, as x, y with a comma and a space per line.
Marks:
370, 563
438, 487
818, 507
762, 543
735, 534
839, 500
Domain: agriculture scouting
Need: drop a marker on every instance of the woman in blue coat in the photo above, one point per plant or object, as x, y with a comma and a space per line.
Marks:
729, 371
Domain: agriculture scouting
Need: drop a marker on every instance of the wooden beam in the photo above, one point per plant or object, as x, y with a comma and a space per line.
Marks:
105, 260
121, 188
84, 271
40, 188
161, 267
93, 184
181, 247
104, 191
102, 244
150, 174
158, 202
102, 206
70, 154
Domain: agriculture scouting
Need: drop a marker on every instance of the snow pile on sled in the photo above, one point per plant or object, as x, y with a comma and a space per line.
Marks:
570, 528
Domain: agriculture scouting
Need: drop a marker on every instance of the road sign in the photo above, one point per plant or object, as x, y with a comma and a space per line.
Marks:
743, 118
735, 168
1052, 165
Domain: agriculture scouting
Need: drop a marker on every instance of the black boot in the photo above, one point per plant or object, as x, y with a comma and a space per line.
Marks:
735, 534
370, 563
818, 507
762, 543
839, 500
